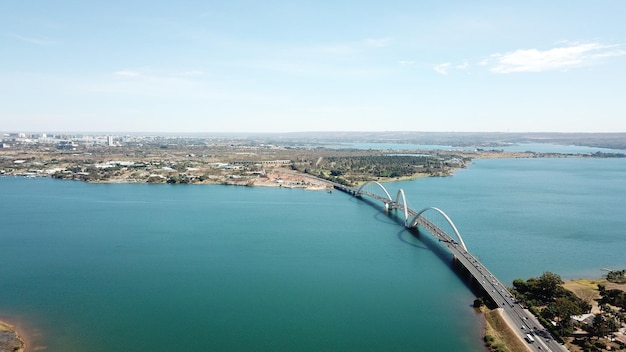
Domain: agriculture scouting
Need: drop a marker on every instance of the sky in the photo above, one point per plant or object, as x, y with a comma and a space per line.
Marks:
292, 66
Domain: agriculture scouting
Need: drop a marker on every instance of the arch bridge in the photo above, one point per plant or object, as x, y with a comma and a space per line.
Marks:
491, 287
412, 218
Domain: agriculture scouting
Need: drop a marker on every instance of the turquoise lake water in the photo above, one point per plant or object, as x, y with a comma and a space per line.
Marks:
521, 147
102, 267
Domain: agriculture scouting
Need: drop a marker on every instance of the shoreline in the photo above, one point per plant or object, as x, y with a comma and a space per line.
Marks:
279, 179
10, 339
115, 166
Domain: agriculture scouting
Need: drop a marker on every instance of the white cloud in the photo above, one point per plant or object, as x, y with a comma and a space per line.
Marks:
308, 68
561, 58
148, 74
534, 60
377, 42
446, 67
407, 62
33, 40
127, 73
350, 48
193, 73
443, 68
610, 54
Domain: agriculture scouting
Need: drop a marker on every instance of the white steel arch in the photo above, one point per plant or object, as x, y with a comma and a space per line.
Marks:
358, 192
401, 196
445, 216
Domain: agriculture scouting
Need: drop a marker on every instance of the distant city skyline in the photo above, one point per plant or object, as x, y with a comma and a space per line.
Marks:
292, 66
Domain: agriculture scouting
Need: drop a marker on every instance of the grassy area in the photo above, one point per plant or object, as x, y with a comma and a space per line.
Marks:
587, 289
498, 335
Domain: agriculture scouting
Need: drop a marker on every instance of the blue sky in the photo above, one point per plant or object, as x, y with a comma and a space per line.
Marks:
282, 66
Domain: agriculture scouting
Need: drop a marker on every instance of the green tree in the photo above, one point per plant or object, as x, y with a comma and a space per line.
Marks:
478, 302
603, 324
562, 309
549, 286
616, 276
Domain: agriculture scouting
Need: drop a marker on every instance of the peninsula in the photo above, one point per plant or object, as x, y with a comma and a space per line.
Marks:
295, 161
10, 340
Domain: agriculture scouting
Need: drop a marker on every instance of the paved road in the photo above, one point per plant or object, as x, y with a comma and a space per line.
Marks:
521, 320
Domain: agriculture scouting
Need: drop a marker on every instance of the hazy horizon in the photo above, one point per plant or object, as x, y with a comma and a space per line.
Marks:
376, 133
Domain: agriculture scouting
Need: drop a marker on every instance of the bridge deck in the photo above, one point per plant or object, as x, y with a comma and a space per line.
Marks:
490, 285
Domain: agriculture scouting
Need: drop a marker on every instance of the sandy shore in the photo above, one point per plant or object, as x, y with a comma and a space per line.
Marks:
291, 179
10, 340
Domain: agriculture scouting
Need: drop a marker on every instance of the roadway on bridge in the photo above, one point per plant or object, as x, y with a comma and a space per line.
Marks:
521, 320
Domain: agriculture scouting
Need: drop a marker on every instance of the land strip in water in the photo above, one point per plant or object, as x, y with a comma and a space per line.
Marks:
239, 162
10, 340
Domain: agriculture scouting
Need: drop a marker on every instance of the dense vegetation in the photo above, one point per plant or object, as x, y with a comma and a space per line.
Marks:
547, 295
613, 297
552, 303
359, 168
616, 276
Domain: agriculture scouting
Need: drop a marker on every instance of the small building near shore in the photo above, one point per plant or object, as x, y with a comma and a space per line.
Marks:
586, 319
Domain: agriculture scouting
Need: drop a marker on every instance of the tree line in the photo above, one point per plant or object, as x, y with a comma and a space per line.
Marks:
554, 306
355, 169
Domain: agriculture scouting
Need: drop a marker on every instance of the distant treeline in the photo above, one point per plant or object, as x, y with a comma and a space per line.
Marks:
354, 169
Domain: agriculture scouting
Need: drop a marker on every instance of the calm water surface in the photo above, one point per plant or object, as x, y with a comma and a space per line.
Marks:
521, 147
526, 216
96, 267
